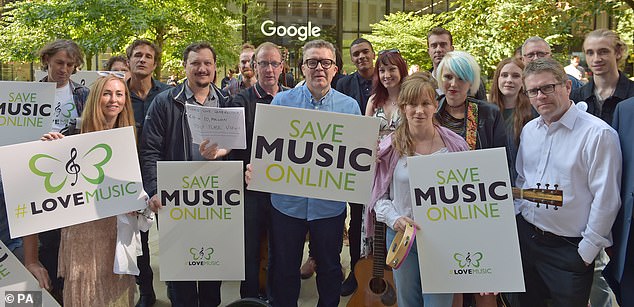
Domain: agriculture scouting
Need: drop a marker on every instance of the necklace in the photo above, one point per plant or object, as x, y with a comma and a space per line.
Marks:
462, 105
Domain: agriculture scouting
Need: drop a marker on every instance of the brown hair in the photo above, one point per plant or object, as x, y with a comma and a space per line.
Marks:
439, 31
386, 58
52, 48
619, 46
523, 109
412, 89
139, 42
92, 116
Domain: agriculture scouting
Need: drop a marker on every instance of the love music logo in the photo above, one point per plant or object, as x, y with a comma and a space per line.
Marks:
89, 166
202, 256
469, 263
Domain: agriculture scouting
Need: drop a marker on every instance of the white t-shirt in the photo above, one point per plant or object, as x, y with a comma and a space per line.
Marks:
65, 108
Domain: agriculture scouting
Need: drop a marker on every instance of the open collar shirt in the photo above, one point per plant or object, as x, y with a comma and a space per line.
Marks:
304, 207
581, 154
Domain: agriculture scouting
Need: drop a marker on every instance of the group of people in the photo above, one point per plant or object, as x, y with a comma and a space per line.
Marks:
552, 132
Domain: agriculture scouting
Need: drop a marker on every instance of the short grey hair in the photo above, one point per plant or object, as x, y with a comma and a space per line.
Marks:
320, 43
535, 39
546, 65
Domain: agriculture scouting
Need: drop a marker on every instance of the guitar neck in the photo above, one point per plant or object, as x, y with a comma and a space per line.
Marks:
540, 196
379, 249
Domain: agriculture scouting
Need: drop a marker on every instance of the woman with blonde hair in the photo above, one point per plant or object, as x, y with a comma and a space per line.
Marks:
87, 251
417, 134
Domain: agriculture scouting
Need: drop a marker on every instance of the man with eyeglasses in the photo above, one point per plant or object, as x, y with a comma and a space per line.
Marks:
439, 42
268, 67
570, 150
291, 216
143, 57
535, 48
357, 85
247, 76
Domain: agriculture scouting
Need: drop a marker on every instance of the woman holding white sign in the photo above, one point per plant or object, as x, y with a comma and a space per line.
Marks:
87, 251
417, 134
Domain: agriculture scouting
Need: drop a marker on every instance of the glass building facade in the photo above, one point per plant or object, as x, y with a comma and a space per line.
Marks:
291, 23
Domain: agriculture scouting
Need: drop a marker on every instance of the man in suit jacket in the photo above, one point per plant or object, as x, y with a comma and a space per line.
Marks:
620, 270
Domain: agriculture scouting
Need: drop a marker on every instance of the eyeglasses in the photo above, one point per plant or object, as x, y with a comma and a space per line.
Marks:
389, 51
118, 74
537, 54
325, 63
546, 89
265, 64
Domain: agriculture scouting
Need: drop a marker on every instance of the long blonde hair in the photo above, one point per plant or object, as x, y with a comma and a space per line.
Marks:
412, 89
92, 116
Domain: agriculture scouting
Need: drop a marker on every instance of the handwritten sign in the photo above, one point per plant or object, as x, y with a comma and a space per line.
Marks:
83, 77
201, 226
26, 110
77, 179
313, 153
17, 285
223, 126
464, 204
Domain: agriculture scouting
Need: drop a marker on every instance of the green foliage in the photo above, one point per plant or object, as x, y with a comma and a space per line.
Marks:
406, 32
110, 25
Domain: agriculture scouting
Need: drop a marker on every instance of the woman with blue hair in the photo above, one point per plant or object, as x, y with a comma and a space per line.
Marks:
478, 122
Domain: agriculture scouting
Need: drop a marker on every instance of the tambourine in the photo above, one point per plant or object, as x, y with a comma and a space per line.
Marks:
400, 246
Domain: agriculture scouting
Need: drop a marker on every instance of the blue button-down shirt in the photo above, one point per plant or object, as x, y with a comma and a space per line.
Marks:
334, 101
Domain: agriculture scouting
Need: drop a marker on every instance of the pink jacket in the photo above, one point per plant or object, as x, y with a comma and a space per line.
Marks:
388, 156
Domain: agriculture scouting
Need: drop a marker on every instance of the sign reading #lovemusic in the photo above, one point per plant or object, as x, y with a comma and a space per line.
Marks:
313, 153
26, 110
18, 286
77, 179
464, 205
201, 224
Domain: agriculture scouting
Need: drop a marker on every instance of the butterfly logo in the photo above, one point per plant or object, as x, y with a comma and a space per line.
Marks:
470, 260
202, 253
56, 172
69, 106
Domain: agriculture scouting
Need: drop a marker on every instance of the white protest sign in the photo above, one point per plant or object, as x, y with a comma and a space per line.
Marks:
201, 226
17, 285
312, 153
223, 126
26, 110
83, 77
464, 205
77, 179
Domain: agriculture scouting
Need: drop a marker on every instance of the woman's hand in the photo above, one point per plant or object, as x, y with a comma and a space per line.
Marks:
247, 174
40, 273
155, 203
52, 136
402, 222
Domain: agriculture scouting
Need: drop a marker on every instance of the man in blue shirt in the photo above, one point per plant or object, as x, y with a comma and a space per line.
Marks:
292, 216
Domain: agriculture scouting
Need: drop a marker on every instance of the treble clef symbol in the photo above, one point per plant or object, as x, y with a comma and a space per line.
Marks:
58, 109
73, 168
201, 253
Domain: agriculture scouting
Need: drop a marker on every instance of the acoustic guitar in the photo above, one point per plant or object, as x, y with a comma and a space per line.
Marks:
540, 196
374, 279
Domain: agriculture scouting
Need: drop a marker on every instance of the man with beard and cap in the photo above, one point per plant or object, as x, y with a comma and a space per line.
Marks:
357, 85
166, 137
247, 77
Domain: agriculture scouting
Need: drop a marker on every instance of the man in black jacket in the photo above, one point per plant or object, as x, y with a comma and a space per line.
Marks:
357, 85
166, 137
143, 57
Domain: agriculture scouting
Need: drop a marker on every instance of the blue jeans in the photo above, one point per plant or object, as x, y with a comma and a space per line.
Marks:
409, 292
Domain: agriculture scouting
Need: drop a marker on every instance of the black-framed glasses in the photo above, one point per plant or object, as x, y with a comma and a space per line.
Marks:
546, 89
389, 51
265, 64
537, 55
325, 63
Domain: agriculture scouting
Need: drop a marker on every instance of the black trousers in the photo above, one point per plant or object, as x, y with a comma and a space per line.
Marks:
257, 207
146, 275
354, 233
553, 269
